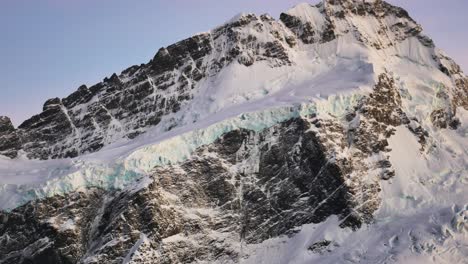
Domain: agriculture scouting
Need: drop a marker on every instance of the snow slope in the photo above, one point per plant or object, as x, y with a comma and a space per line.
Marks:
423, 217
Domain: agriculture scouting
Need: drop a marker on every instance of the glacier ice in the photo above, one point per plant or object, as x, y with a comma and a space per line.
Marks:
121, 172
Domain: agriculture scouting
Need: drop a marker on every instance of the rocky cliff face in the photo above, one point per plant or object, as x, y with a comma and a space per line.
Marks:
9, 141
243, 189
126, 105
361, 157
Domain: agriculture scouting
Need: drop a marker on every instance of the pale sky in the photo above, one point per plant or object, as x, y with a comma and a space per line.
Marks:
50, 47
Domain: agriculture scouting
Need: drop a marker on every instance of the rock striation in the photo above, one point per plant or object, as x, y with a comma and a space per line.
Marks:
128, 104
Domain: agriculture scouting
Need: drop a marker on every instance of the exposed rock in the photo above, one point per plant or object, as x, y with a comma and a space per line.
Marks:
9, 140
247, 186
126, 105
142, 96
306, 31
51, 103
5, 125
323, 247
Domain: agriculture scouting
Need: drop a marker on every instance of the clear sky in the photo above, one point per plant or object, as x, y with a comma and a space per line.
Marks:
50, 47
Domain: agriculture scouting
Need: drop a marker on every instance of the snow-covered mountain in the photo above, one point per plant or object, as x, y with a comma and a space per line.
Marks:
336, 134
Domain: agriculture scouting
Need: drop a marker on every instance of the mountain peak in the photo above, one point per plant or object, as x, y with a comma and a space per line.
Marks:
5, 124
181, 84
239, 16
375, 23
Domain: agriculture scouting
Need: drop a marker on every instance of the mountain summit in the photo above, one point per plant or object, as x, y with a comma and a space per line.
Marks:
248, 58
336, 134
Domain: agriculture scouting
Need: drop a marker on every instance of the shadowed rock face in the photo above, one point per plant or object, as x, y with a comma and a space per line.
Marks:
264, 180
244, 188
338, 11
306, 31
9, 140
247, 186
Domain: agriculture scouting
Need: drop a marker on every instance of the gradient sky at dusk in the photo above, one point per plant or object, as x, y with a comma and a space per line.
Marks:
50, 47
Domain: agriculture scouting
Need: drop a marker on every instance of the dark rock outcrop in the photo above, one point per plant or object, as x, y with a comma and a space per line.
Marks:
126, 105
9, 140
246, 186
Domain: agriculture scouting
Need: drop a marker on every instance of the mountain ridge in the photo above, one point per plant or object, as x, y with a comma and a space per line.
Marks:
126, 105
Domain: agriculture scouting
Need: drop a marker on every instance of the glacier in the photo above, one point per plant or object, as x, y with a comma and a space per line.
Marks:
64, 176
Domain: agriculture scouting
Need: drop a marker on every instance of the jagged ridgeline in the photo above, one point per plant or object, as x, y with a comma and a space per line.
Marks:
335, 134
165, 89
